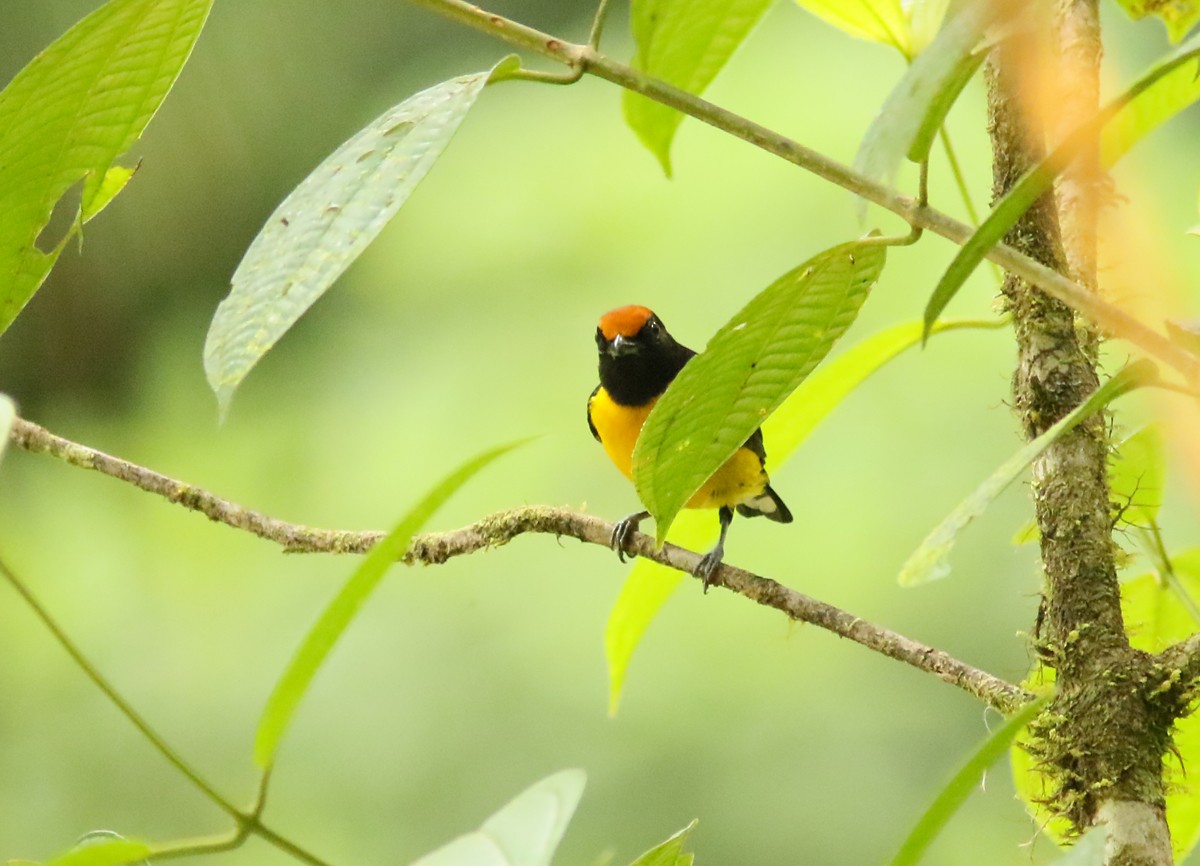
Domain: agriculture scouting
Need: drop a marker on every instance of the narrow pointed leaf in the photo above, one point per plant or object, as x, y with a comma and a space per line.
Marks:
685, 43
525, 832
326, 223
750, 367
649, 584
114, 181
928, 562
68, 115
926, 17
914, 110
1179, 16
1161, 92
670, 852
315, 648
966, 780
881, 21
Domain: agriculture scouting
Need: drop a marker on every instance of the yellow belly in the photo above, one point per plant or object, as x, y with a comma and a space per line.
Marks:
739, 479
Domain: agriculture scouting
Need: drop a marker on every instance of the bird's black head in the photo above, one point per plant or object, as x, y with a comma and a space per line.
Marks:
638, 358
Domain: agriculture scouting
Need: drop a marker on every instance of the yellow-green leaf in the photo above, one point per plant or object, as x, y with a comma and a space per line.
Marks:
1179, 16
877, 20
670, 852
685, 43
68, 115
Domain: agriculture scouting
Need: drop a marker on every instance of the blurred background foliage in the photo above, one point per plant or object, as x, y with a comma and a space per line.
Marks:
467, 324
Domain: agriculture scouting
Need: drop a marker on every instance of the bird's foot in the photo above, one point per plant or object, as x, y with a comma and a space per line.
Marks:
707, 568
623, 533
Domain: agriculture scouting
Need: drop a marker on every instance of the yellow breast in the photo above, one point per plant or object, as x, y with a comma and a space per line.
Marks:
740, 479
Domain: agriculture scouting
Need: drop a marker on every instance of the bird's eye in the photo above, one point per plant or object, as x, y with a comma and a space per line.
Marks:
653, 326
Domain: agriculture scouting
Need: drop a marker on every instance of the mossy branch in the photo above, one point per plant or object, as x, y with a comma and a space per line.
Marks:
500, 528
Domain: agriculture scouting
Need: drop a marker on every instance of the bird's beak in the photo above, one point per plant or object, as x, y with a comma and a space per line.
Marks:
619, 345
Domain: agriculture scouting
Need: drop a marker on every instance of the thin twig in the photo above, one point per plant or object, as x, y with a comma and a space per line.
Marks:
500, 528
1110, 318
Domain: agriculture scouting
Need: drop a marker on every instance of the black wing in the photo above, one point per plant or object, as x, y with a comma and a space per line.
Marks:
592, 426
755, 444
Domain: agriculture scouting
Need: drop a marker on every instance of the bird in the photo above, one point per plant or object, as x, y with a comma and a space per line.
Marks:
638, 360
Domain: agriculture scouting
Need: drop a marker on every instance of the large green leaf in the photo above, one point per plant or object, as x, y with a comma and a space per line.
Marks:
67, 116
750, 367
326, 223
294, 683
649, 584
670, 852
878, 20
1155, 618
525, 832
913, 112
960, 786
928, 561
1179, 16
685, 43
1161, 92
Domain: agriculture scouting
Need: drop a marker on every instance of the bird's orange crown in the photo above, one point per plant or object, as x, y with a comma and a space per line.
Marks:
626, 321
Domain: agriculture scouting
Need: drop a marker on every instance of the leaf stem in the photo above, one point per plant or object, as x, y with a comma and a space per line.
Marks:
119, 702
1102, 313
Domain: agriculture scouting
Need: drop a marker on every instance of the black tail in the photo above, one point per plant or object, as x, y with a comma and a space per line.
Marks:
766, 504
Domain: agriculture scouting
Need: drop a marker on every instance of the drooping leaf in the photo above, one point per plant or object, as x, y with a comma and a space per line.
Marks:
877, 20
68, 115
967, 779
928, 561
111, 851
649, 584
750, 367
685, 43
642, 596
1136, 475
670, 852
525, 832
298, 676
326, 222
1179, 16
914, 110
1123, 122
1155, 618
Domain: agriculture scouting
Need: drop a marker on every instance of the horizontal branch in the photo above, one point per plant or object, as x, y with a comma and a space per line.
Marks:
1110, 318
500, 528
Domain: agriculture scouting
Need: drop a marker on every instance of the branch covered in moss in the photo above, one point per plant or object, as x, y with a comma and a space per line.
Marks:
500, 528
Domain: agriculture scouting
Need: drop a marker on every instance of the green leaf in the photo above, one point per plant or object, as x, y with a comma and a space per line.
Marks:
1027, 534
642, 596
750, 367
951, 797
326, 223
685, 43
928, 562
525, 832
1179, 16
877, 20
67, 116
1136, 475
294, 683
914, 110
670, 852
1131, 119
926, 17
113, 182
111, 851
649, 584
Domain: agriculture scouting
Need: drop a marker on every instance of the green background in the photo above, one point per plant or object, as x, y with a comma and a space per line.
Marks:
467, 324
